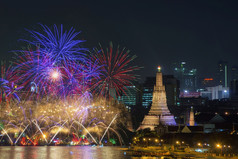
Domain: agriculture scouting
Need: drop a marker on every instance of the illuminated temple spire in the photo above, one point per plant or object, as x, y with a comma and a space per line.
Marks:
159, 112
191, 118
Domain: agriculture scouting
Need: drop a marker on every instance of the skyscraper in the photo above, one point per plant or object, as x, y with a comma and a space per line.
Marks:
147, 95
172, 89
234, 84
222, 73
234, 73
187, 77
130, 97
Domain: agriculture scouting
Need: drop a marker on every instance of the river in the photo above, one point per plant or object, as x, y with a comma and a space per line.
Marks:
70, 152
62, 152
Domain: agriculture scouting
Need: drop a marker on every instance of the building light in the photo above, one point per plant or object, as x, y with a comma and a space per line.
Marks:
159, 68
208, 79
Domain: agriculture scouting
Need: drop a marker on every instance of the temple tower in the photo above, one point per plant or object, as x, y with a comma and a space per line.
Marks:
159, 112
191, 118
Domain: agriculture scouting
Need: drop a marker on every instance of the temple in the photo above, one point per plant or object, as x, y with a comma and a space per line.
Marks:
191, 118
159, 112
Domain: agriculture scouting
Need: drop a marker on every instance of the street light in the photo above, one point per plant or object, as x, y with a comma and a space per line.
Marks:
219, 146
199, 144
146, 141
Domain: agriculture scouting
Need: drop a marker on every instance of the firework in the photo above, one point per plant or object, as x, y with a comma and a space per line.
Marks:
35, 69
57, 71
115, 72
58, 66
60, 45
57, 119
8, 86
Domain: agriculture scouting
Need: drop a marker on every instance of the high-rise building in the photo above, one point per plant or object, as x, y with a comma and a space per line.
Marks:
234, 84
131, 97
147, 95
234, 90
234, 73
187, 77
222, 73
172, 89
159, 112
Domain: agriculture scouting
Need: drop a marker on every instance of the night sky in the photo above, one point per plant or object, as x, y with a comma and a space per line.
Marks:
158, 32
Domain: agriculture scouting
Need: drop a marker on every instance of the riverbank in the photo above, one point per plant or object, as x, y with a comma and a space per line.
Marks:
157, 151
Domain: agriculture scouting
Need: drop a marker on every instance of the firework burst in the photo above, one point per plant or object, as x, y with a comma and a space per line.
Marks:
58, 66
34, 68
59, 44
115, 72
8, 86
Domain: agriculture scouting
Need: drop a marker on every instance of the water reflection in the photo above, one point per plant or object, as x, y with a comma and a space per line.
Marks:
64, 152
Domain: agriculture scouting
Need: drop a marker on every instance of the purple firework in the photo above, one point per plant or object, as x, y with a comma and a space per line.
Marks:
8, 86
35, 69
59, 65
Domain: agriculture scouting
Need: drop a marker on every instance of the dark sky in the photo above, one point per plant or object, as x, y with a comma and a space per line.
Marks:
158, 32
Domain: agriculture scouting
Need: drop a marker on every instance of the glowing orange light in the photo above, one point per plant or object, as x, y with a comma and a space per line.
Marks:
159, 68
208, 79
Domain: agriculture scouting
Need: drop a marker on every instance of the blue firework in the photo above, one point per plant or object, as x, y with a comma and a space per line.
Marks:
59, 44
8, 84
